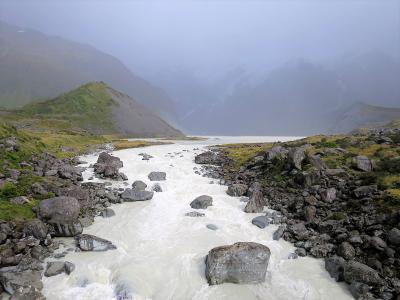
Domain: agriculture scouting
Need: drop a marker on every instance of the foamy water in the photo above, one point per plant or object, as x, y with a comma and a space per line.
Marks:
160, 252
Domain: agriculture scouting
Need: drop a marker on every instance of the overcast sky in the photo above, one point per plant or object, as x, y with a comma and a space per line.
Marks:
211, 36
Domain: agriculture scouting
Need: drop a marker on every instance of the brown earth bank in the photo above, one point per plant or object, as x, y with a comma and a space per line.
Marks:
339, 197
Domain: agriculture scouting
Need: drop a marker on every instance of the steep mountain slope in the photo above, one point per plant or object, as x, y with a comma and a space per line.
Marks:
99, 109
35, 66
361, 115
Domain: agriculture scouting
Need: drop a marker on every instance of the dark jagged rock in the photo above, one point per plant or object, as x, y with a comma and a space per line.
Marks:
87, 242
12, 280
107, 166
335, 267
357, 272
256, 201
36, 228
237, 263
201, 202
157, 188
276, 152
296, 156
278, 233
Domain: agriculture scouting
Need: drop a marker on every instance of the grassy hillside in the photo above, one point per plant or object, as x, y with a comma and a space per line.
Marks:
88, 107
95, 108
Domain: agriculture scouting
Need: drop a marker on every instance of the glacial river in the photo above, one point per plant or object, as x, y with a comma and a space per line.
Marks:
160, 251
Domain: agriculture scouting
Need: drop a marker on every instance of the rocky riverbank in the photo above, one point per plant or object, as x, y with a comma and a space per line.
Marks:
337, 198
43, 197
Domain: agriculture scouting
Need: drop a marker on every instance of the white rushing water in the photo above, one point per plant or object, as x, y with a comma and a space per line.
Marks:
160, 252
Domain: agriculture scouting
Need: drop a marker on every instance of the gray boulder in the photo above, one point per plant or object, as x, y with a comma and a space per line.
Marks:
157, 188
157, 176
108, 213
256, 201
328, 195
260, 221
27, 293
139, 185
207, 158
108, 166
58, 267
365, 191
201, 202
237, 263
194, 214
363, 163
335, 267
355, 271
316, 162
62, 213
20, 200
88, 242
13, 280
346, 250
278, 152
394, 236
237, 190
278, 233
212, 226
36, 228
296, 156
130, 195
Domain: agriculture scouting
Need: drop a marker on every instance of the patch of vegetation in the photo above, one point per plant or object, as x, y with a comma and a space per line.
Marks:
88, 107
125, 144
10, 211
242, 153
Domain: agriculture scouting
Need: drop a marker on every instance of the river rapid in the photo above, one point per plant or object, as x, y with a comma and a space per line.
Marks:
160, 251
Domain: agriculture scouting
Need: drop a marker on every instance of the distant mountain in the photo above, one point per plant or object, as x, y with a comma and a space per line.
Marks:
97, 108
360, 115
297, 98
36, 66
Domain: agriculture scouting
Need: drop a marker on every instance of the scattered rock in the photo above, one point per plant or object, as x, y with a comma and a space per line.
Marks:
108, 166
237, 263
157, 176
212, 226
260, 221
108, 213
237, 190
207, 158
195, 214
130, 195
20, 200
329, 195
58, 267
36, 228
363, 163
278, 233
335, 267
201, 202
157, 188
87, 242
139, 185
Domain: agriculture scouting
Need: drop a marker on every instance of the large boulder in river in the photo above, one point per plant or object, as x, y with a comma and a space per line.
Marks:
238, 263
207, 158
157, 176
139, 185
201, 202
54, 268
237, 190
256, 201
108, 166
62, 213
88, 242
130, 195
